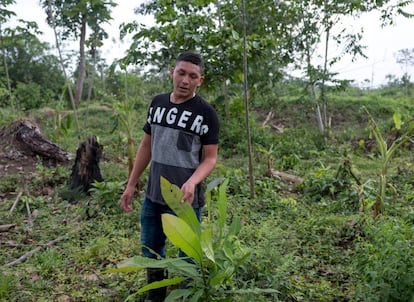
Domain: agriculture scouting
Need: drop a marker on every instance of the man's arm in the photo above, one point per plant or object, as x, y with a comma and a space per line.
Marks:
142, 160
204, 169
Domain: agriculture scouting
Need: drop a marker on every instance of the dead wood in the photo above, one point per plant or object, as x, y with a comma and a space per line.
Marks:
49, 244
16, 201
28, 254
23, 147
6, 227
285, 176
32, 142
86, 169
269, 116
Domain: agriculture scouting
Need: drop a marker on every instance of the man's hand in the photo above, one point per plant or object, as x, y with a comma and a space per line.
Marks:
188, 189
126, 199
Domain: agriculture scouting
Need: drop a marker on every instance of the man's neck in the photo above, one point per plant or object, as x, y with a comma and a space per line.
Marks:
176, 100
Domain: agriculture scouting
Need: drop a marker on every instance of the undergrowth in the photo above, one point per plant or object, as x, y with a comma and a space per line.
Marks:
309, 241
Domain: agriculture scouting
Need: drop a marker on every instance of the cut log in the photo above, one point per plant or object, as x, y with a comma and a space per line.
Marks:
23, 147
86, 169
6, 227
31, 142
285, 176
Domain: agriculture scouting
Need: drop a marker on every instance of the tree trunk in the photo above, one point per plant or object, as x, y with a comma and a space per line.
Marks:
81, 67
62, 65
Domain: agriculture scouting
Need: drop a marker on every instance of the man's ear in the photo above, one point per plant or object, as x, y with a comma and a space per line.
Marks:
172, 71
200, 82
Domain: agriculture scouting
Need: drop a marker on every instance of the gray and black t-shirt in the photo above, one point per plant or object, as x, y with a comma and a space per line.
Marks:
178, 133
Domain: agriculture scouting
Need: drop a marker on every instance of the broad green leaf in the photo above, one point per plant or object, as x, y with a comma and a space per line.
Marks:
159, 284
397, 120
172, 196
184, 268
214, 183
235, 35
222, 276
182, 236
178, 295
228, 250
218, 278
235, 226
197, 295
207, 244
136, 263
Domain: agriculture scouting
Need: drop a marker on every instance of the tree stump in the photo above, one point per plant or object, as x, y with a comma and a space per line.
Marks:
86, 169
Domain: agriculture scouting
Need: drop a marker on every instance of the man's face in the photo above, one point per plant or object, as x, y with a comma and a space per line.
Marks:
186, 78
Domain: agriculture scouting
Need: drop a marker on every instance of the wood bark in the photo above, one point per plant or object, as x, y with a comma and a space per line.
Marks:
86, 169
285, 176
28, 139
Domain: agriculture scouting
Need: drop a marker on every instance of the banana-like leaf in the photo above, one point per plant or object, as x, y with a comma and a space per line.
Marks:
218, 278
397, 120
172, 196
207, 244
182, 236
214, 183
159, 284
235, 226
177, 265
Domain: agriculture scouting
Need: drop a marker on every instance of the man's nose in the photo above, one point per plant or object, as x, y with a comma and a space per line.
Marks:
186, 79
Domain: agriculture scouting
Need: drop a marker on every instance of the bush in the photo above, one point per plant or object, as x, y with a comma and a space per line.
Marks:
384, 263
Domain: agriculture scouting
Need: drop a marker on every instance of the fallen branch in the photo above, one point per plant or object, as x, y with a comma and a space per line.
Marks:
6, 227
285, 176
268, 118
13, 244
16, 201
29, 253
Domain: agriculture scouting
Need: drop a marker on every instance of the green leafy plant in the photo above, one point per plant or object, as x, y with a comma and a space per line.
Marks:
215, 251
385, 263
105, 194
386, 154
125, 116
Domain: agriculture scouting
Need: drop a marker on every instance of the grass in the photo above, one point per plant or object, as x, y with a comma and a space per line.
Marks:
304, 238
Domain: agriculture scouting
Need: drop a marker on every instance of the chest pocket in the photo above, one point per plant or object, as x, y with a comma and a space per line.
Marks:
185, 142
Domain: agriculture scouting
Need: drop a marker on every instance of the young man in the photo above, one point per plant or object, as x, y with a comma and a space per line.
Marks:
181, 142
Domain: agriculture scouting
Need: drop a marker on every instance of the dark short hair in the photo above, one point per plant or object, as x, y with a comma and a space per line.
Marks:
191, 57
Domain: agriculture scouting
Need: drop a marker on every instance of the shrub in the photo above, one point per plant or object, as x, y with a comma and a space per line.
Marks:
384, 262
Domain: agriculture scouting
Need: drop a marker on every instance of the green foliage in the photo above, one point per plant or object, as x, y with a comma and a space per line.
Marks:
7, 286
48, 262
386, 153
216, 258
125, 117
105, 195
299, 248
384, 262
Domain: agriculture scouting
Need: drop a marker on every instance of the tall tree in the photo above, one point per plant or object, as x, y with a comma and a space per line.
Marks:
321, 24
73, 18
5, 15
28, 65
405, 57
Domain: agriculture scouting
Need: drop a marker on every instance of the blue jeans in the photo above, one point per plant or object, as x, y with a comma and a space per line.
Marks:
152, 235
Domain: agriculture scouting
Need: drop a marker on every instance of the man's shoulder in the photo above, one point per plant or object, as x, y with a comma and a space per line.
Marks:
161, 97
202, 102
